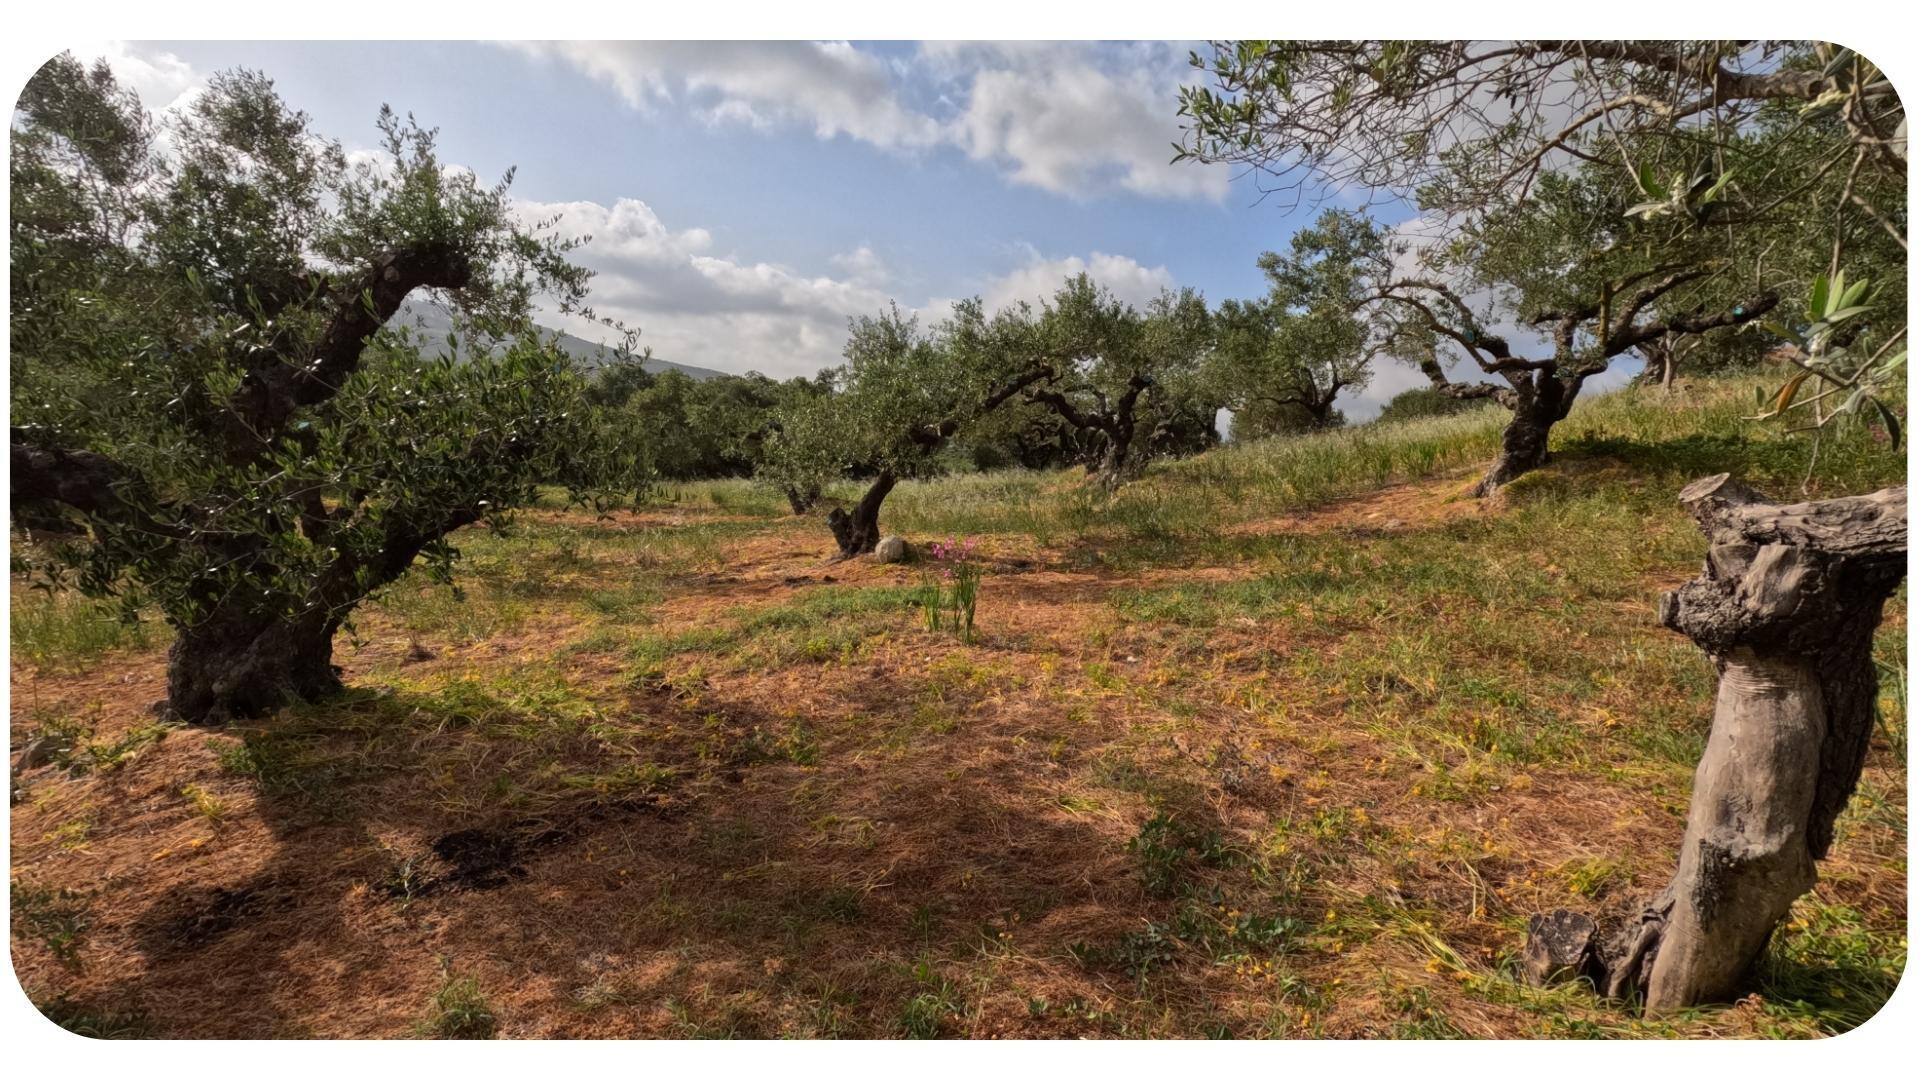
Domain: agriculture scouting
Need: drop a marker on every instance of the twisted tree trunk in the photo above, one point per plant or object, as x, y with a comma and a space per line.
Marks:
236, 667
1537, 406
858, 532
1523, 448
800, 498
1786, 607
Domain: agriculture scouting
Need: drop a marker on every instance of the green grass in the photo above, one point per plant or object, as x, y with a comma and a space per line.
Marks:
67, 630
1176, 510
459, 1010
1286, 776
826, 624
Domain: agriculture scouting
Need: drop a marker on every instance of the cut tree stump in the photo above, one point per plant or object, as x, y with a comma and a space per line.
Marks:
1785, 607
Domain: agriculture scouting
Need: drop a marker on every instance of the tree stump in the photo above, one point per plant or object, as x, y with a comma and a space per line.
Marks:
1559, 947
1785, 607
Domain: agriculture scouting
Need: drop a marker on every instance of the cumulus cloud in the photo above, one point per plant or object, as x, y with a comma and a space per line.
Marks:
694, 305
830, 86
1065, 118
1070, 118
163, 80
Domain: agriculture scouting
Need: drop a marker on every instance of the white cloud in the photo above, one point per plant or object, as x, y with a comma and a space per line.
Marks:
830, 86
695, 306
1041, 277
163, 80
1070, 118
1057, 119
862, 265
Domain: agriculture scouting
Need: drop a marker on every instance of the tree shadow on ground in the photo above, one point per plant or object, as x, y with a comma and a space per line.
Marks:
740, 875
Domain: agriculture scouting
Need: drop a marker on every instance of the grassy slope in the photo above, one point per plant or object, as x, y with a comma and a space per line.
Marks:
1229, 757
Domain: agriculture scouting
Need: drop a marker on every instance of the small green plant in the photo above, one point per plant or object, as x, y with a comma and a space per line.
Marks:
924, 1014
460, 1011
58, 917
1423, 1018
1169, 850
1593, 877
70, 744
951, 587
205, 803
406, 879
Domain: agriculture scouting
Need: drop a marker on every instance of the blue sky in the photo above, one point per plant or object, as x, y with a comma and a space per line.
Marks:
745, 198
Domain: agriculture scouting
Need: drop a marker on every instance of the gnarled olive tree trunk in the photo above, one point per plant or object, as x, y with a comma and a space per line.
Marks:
1786, 607
858, 532
801, 497
233, 667
1537, 405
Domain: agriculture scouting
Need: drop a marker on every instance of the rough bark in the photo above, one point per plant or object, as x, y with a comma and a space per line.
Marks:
1116, 464
858, 532
238, 667
1523, 448
1537, 405
1786, 608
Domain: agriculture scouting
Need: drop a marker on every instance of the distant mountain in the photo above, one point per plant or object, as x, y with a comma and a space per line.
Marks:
432, 323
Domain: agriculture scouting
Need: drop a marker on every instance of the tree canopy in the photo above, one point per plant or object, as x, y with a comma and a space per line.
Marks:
205, 383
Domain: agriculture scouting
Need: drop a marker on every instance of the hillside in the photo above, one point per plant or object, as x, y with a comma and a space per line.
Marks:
1284, 740
433, 324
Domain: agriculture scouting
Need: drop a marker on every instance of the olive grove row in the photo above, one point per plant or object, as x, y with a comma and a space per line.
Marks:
220, 413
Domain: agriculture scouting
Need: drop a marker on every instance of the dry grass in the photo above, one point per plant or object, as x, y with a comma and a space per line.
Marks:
676, 774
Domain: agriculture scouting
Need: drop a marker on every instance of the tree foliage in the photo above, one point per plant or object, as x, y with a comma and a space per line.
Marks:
203, 378
1286, 357
1122, 375
1644, 198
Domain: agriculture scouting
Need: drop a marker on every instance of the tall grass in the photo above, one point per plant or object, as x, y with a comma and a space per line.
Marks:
55, 629
1671, 438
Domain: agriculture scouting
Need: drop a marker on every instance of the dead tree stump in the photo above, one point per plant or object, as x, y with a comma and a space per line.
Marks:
1785, 607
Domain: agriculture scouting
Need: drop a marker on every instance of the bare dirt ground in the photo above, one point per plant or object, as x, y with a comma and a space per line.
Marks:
891, 833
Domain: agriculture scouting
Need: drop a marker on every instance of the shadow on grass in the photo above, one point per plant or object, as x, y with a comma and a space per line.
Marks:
697, 854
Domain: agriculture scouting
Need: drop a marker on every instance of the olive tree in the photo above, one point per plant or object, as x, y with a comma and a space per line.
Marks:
1297, 348
1785, 606
1569, 262
204, 380
1758, 168
902, 394
1101, 357
1465, 126
1786, 150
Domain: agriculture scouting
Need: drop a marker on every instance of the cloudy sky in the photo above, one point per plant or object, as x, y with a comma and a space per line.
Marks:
746, 198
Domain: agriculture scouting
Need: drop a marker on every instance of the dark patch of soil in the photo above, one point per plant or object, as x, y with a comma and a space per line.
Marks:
221, 910
479, 859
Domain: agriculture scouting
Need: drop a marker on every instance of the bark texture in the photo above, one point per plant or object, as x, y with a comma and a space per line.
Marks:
236, 668
800, 498
1523, 448
1786, 607
859, 531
